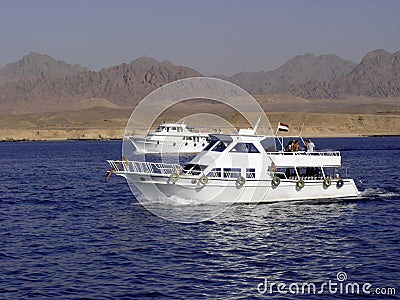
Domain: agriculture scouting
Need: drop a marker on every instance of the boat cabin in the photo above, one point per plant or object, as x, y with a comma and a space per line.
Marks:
171, 128
255, 157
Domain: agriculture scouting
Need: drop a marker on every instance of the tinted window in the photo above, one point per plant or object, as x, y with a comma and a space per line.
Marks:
245, 148
221, 146
210, 145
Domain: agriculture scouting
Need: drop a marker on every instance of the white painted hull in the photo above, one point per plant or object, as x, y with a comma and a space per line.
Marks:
218, 191
167, 145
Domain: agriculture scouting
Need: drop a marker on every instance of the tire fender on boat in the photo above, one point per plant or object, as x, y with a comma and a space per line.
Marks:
340, 183
203, 180
300, 183
276, 181
327, 181
174, 177
240, 180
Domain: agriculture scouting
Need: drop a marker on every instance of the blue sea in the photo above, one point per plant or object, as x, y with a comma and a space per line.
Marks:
66, 233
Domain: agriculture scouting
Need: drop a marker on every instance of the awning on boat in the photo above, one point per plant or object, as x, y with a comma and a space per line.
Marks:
222, 137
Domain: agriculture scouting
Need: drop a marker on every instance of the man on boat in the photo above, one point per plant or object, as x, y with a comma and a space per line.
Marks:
310, 146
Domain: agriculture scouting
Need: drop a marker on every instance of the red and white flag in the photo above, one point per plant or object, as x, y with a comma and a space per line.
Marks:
283, 127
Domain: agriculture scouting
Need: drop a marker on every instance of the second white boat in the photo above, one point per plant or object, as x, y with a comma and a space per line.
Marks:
170, 138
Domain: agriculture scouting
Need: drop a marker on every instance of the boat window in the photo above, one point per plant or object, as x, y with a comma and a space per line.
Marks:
210, 145
194, 169
221, 146
160, 128
245, 148
215, 172
232, 172
173, 128
250, 173
268, 144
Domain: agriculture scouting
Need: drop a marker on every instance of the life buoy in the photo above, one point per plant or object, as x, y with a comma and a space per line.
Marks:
241, 180
174, 177
340, 183
203, 180
276, 181
300, 183
327, 181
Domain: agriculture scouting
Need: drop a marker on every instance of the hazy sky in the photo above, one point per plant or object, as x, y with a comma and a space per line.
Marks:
214, 37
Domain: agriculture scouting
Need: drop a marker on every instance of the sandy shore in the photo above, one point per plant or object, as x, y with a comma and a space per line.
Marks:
321, 118
77, 126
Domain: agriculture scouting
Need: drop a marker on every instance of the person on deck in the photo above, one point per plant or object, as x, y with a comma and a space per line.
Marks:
296, 146
289, 146
310, 146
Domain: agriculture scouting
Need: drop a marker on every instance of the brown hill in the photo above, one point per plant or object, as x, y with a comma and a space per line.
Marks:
35, 65
296, 71
123, 85
377, 75
39, 83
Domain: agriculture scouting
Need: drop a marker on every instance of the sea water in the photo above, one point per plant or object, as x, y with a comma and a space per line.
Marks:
66, 233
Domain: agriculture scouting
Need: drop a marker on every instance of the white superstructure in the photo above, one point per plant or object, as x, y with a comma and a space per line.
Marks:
242, 168
170, 138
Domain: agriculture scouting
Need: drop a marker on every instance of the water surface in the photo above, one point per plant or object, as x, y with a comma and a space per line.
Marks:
68, 234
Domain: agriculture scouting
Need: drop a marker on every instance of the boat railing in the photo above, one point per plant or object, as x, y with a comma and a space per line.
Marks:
143, 167
338, 172
317, 153
232, 174
281, 175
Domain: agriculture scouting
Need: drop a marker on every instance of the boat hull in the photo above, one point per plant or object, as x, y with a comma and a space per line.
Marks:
168, 145
217, 191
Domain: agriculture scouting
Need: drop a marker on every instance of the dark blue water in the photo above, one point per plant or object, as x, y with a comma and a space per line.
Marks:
68, 234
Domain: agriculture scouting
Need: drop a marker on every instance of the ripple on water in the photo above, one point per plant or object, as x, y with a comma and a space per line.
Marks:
66, 233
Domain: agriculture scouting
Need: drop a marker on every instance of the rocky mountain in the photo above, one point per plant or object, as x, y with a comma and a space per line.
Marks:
39, 83
296, 71
122, 85
35, 65
377, 75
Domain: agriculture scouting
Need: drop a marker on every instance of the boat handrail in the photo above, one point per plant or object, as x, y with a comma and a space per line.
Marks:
316, 153
143, 167
279, 174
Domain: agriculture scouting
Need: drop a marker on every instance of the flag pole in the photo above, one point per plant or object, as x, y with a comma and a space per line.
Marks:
277, 127
276, 134
301, 131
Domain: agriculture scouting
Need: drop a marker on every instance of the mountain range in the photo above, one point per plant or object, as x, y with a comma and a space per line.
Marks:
38, 82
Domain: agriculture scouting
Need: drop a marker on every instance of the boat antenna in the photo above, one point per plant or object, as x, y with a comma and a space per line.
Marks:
257, 124
301, 130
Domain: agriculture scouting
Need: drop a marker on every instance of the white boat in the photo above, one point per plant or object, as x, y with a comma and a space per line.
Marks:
170, 138
242, 168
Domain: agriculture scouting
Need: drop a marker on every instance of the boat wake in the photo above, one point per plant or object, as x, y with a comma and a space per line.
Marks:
378, 192
182, 210
172, 201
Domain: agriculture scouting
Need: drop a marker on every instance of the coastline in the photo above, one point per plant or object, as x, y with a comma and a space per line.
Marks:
317, 125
